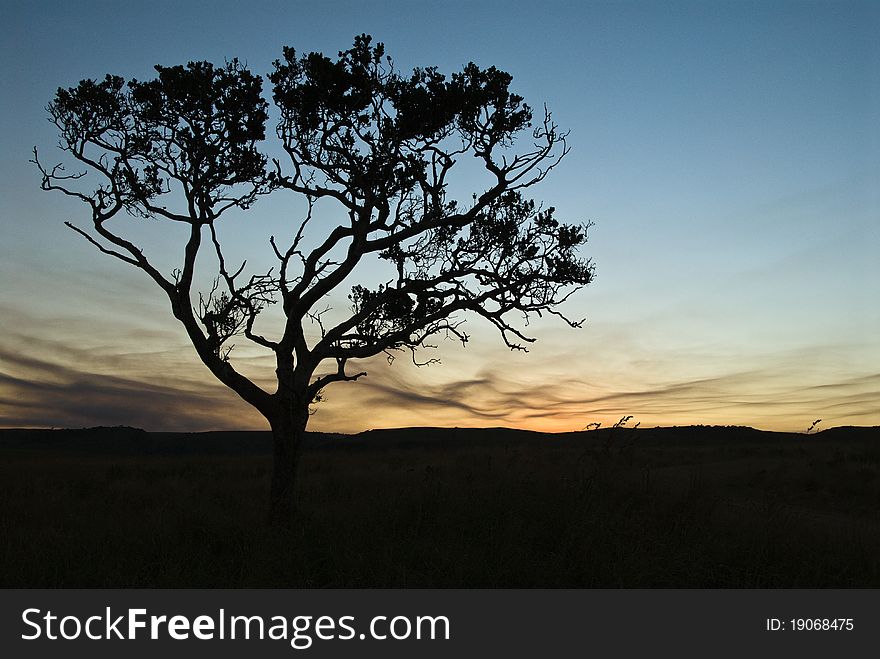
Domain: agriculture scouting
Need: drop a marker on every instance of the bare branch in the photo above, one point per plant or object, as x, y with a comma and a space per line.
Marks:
103, 249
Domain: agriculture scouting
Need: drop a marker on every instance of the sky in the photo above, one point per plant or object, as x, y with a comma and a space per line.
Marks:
728, 154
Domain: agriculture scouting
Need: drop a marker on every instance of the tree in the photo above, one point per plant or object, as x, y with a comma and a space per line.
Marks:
358, 135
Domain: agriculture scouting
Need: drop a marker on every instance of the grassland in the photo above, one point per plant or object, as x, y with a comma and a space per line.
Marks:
674, 507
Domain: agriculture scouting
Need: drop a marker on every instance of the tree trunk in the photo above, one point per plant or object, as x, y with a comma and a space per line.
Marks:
288, 429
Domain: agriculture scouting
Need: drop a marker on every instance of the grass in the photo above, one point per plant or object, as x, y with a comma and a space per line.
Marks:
611, 508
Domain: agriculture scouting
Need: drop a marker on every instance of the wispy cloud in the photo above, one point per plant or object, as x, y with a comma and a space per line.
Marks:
767, 398
54, 395
151, 379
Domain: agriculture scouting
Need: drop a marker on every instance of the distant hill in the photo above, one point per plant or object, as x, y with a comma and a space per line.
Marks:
124, 440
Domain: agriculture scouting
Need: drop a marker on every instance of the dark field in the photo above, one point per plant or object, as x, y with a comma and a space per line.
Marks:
673, 507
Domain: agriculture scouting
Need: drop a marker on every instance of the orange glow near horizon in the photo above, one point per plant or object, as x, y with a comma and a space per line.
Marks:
46, 384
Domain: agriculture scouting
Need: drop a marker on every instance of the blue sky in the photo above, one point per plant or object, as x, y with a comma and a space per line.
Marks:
728, 153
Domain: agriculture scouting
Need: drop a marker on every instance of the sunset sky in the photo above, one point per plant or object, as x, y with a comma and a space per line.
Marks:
727, 152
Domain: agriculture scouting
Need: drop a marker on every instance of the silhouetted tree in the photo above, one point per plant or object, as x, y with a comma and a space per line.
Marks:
360, 135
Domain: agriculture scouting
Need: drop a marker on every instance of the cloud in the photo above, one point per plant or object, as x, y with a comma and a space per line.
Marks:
66, 375
54, 395
772, 397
